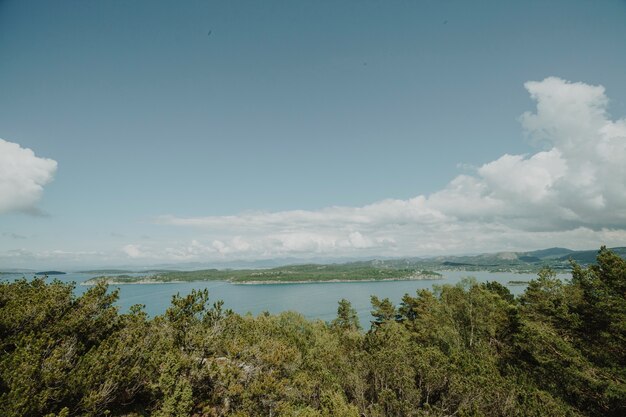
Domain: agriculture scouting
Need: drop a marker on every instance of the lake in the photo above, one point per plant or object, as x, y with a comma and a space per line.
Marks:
313, 300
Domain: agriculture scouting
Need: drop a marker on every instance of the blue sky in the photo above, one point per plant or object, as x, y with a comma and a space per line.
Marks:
202, 131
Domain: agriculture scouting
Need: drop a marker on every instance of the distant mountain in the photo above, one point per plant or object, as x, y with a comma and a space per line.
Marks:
529, 261
551, 253
589, 256
556, 258
250, 264
399, 268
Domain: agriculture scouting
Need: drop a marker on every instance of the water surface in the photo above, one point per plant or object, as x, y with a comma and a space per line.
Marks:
313, 300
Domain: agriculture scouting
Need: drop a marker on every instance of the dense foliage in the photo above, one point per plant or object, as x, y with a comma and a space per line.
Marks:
465, 350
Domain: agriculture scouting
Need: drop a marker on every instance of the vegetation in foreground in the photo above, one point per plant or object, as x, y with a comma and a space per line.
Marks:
465, 350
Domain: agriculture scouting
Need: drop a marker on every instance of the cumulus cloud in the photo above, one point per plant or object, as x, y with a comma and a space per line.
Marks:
571, 192
578, 181
261, 245
136, 251
22, 178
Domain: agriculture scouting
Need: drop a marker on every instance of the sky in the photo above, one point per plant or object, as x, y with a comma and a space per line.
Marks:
153, 132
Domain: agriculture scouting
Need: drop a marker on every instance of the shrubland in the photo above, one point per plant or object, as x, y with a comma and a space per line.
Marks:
466, 350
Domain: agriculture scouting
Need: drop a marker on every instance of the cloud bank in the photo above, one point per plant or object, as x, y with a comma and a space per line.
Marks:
22, 178
571, 192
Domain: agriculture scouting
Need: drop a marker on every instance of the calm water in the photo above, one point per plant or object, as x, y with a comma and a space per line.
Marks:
315, 300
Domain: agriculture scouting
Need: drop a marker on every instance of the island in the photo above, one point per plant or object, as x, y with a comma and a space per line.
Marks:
50, 273
394, 269
292, 274
518, 282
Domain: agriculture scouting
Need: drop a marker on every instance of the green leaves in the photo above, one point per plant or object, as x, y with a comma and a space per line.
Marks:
347, 318
383, 311
571, 339
470, 349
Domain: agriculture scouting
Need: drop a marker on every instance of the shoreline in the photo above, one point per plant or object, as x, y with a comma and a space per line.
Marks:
336, 281
140, 282
268, 282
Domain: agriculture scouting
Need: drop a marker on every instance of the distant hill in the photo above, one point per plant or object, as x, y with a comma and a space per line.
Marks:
106, 271
50, 273
589, 256
552, 253
555, 258
126, 271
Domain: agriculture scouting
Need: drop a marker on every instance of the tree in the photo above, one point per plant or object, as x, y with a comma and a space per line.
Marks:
347, 318
499, 289
383, 311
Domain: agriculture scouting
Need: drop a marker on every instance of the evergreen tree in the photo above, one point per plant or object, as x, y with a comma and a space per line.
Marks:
347, 317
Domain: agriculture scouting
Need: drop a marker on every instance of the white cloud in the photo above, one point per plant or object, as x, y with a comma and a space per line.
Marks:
135, 251
579, 181
572, 192
22, 177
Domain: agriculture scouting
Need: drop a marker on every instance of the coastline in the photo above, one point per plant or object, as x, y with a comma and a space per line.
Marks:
336, 281
90, 283
268, 282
